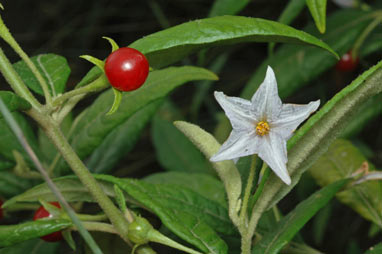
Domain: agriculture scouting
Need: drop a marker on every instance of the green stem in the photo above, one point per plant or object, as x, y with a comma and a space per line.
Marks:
54, 133
7, 36
155, 236
98, 226
259, 189
14, 80
244, 207
246, 244
24, 143
358, 43
97, 85
91, 217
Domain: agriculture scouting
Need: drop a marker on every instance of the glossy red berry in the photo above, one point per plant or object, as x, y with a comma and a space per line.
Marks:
43, 213
347, 63
126, 69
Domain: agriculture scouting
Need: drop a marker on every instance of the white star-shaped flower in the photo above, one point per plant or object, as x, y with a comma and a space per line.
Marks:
262, 126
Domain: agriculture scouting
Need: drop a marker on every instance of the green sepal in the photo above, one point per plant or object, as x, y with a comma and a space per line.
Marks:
114, 45
97, 62
139, 230
116, 103
69, 239
1, 6
120, 198
53, 210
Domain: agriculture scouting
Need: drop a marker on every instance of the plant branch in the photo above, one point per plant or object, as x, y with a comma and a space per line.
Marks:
7, 36
53, 131
14, 80
97, 85
23, 141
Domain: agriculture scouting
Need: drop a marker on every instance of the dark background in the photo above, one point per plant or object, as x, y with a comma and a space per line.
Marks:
74, 27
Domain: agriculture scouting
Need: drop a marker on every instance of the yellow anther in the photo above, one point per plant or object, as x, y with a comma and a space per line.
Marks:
262, 128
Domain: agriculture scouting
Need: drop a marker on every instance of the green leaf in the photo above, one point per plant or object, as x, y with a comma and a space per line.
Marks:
375, 249
227, 7
184, 212
295, 65
318, 10
94, 125
226, 170
121, 140
13, 234
70, 187
290, 12
315, 136
45, 144
367, 111
173, 44
9, 141
53, 68
174, 151
205, 185
35, 246
341, 161
13, 101
11, 185
286, 229
5, 164
372, 44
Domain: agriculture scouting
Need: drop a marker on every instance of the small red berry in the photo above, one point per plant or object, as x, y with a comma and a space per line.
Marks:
126, 69
347, 63
43, 213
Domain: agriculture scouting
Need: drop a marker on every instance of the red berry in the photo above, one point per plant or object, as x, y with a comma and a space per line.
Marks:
347, 63
42, 213
126, 69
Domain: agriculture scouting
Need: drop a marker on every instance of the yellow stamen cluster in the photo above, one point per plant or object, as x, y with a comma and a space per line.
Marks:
262, 128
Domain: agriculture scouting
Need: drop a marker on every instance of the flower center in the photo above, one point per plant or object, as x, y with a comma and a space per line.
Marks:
262, 128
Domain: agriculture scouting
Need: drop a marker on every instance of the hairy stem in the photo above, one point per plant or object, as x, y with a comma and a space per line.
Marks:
16, 82
7, 36
244, 208
97, 85
54, 133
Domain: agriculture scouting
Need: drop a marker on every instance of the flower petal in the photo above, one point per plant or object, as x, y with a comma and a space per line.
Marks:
273, 152
238, 144
291, 116
237, 110
266, 101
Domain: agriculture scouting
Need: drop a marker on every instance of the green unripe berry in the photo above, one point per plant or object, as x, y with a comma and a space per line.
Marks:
139, 231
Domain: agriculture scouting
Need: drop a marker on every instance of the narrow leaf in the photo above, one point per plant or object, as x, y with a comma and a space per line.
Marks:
13, 234
94, 126
173, 44
205, 185
13, 101
227, 7
121, 140
226, 170
70, 187
318, 10
8, 139
341, 161
53, 68
175, 152
287, 228
185, 213
37, 245
289, 62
